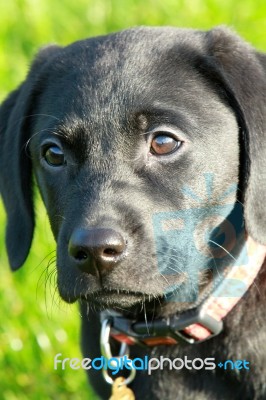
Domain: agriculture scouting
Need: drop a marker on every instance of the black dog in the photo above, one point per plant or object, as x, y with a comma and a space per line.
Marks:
120, 131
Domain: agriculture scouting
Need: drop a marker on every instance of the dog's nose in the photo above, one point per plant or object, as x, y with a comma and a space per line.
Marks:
97, 249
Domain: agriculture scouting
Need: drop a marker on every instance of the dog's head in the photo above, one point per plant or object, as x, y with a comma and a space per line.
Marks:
120, 131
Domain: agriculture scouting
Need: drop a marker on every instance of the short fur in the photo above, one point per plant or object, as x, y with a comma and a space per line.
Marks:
97, 99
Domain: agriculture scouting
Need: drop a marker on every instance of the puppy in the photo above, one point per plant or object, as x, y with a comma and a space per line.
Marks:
148, 147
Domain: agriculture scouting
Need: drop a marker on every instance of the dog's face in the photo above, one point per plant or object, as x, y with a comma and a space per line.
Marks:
118, 129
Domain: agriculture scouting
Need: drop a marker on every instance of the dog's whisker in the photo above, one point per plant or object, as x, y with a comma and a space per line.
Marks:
257, 288
238, 201
214, 261
19, 120
45, 273
172, 261
217, 244
38, 265
176, 270
55, 296
38, 115
26, 144
48, 277
51, 274
54, 287
172, 255
164, 277
145, 315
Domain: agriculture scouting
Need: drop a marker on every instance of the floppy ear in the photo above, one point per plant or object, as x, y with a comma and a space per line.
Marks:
15, 162
242, 73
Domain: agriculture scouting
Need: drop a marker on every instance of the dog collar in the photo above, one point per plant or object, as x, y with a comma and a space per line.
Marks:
200, 323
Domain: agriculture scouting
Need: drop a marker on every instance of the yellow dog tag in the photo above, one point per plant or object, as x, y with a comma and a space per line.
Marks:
120, 391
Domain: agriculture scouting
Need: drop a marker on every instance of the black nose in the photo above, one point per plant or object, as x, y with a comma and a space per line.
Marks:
97, 249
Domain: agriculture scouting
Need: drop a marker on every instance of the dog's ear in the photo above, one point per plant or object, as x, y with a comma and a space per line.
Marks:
242, 73
15, 163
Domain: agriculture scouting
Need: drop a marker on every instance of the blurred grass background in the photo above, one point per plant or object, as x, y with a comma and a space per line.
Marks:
35, 325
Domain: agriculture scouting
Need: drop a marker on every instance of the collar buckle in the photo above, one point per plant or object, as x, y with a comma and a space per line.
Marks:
171, 330
196, 326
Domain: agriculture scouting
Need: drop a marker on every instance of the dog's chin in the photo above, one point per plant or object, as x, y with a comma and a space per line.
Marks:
125, 302
116, 300
133, 304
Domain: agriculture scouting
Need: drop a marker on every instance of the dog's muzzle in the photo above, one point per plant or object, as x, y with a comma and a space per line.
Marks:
200, 323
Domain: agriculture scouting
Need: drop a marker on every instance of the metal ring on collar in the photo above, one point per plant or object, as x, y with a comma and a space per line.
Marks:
105, 344
106, 352
126, 382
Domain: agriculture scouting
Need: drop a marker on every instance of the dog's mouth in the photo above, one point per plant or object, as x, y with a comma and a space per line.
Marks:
138, 304
122, 301
127, 301
102, 298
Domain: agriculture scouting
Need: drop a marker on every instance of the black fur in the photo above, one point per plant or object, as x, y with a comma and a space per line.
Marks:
97, 99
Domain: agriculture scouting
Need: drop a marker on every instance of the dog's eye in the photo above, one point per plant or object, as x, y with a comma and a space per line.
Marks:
54, 156
164, 144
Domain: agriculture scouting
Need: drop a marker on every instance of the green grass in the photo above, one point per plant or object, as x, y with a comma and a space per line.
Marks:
35, 324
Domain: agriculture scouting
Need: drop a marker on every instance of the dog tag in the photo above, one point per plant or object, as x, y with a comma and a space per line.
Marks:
120, 391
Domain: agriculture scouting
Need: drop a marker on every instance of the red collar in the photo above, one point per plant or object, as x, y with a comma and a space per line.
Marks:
200, 323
